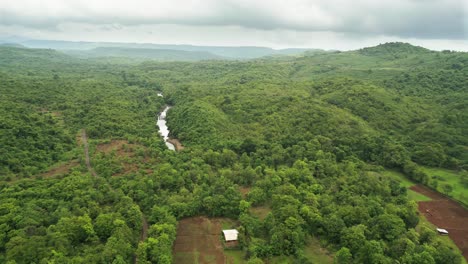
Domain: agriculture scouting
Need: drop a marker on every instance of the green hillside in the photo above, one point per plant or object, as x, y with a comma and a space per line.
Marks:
290, 150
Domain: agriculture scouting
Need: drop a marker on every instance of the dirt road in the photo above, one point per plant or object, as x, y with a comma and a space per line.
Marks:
84, 140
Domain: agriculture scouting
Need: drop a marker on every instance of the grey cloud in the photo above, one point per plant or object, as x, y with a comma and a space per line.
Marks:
432, 19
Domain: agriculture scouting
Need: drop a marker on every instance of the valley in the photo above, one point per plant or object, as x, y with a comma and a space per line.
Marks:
314, 157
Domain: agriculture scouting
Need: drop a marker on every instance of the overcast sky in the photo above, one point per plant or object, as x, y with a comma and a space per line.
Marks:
328, 24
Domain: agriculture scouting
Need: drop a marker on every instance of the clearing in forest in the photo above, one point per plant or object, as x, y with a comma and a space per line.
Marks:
61, 169
447, 214
199, 240
125, 155
118, 146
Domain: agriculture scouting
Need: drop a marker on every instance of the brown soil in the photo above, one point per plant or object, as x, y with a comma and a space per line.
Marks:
244, 191
125, 152
117, 145
427, 192
143, 235
199, 238
62, 169
447, 214
176, 143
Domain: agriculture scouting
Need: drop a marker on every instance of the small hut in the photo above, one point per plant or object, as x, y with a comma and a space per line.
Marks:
231, 237
442, 231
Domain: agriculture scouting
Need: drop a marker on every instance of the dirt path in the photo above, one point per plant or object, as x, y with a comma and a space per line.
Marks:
84, 140
144, 229
447, 214
143, 235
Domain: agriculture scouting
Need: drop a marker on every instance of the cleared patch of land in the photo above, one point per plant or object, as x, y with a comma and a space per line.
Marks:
176, 143
427, 192
199, 240
260, 211
313, 251
436, 210
126, 154
244, 191
61, 169
447, 214
423, 222
118, 146
316, 253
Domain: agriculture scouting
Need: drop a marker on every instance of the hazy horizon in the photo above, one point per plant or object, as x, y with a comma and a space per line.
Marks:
336, 24
25, 39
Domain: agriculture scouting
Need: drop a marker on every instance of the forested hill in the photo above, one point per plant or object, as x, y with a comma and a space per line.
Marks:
146, 54
417, 100
298, 152
245, 52
395, 48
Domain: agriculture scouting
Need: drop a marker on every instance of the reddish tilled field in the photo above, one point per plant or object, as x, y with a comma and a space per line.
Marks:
447, 214
199, 241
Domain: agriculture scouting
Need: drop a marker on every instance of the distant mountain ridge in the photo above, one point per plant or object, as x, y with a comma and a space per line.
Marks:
145, 53
244, 52
169, 52
15, 45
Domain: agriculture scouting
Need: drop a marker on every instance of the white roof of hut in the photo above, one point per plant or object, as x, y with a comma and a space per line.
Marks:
442, 231
230, 234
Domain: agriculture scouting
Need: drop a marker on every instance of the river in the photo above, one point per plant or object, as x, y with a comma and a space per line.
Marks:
163, 129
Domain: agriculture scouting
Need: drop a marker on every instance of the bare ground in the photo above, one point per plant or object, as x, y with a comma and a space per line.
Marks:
118, 146
244, 191
61, 169
143, 235
199, 241
125, 152
176, 143
447, 214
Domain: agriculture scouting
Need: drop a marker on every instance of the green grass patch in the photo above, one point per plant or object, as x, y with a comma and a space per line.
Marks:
186, 257
404, 181
315, 253
450, 177
415, 196
399, 177
234, 256
260, 211
280, 260
228, 223
209, 259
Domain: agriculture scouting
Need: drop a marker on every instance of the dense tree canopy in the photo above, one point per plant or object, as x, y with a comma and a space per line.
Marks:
305, 137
